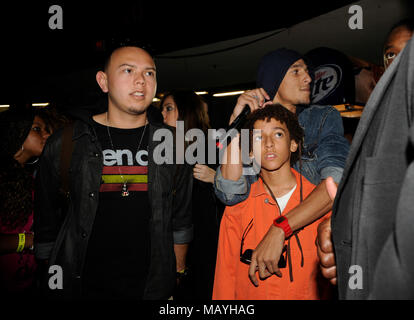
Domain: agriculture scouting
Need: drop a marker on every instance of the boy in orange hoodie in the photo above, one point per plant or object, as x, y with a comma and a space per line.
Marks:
277, 143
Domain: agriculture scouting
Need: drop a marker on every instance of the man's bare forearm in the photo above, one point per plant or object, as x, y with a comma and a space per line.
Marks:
316, 205
180, 255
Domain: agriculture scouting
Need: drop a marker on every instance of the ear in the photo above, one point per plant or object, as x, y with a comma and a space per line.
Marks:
293, 146
102, 80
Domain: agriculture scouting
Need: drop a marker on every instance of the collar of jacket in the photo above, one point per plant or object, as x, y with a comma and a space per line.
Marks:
85, 124
258, 188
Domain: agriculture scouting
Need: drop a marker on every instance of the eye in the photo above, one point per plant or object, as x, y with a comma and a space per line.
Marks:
389, 55
127, 70
279, 134
257, 138
150, 73
167, 108
36, 129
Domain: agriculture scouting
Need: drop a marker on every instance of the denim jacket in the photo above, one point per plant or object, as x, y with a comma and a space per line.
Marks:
324, 153
62, 239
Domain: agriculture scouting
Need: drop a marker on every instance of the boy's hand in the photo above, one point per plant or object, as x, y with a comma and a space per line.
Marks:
266, 256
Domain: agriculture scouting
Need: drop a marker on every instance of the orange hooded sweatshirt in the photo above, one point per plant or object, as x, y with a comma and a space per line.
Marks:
232, 281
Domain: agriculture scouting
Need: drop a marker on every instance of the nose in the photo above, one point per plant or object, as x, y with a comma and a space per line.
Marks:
268, 142
45, 134
307, 78
140, 79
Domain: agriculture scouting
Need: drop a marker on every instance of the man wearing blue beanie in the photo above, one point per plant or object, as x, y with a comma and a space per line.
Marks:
272, 70
283, 78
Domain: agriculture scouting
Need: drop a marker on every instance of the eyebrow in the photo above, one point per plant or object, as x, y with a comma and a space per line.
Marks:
299, 65
279, 128
274, 128
134, 66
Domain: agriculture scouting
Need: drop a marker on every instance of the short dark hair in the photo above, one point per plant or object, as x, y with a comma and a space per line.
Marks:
408, 23
283, 115
114, 45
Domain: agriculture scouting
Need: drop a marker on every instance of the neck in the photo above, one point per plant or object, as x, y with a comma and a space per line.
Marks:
123, 120
281, 181
289, 106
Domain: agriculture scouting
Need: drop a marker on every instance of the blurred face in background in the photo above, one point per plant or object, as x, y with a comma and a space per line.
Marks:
35, 141
169, 111
394, 44
364, 85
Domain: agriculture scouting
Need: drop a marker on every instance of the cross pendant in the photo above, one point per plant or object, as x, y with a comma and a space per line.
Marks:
124, 191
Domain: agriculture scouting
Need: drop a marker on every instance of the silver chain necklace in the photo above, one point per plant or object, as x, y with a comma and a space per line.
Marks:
124, 189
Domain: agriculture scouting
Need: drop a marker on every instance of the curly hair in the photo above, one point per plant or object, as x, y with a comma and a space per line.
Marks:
283, 115
53, 119
16, 186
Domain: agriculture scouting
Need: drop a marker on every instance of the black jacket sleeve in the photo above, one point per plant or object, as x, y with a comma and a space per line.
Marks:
48, 211
182, 206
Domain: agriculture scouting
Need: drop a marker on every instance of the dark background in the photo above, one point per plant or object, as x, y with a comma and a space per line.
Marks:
33, 54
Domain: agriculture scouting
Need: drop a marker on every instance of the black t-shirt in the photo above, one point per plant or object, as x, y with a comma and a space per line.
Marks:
118, 254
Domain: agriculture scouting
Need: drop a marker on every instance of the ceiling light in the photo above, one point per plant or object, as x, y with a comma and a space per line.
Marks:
201, 92
224, 94
4, 105
40, 104
156, 100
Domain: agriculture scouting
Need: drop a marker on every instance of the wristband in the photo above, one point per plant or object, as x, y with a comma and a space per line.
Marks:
283, 223
181, 274
22, 241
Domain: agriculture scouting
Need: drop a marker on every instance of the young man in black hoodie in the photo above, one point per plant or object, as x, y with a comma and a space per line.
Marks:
128, 223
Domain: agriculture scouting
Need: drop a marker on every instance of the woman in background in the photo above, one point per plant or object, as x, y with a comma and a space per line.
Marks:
22, 138
188, 107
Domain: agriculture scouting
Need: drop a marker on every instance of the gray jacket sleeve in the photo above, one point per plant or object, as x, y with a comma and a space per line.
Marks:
394, 276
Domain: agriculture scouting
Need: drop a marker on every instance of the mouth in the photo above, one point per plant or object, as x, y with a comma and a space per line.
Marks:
270, 156
305, 89
137, 94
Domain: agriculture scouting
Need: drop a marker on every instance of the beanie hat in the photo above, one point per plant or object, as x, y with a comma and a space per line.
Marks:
15, 126
273, 67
